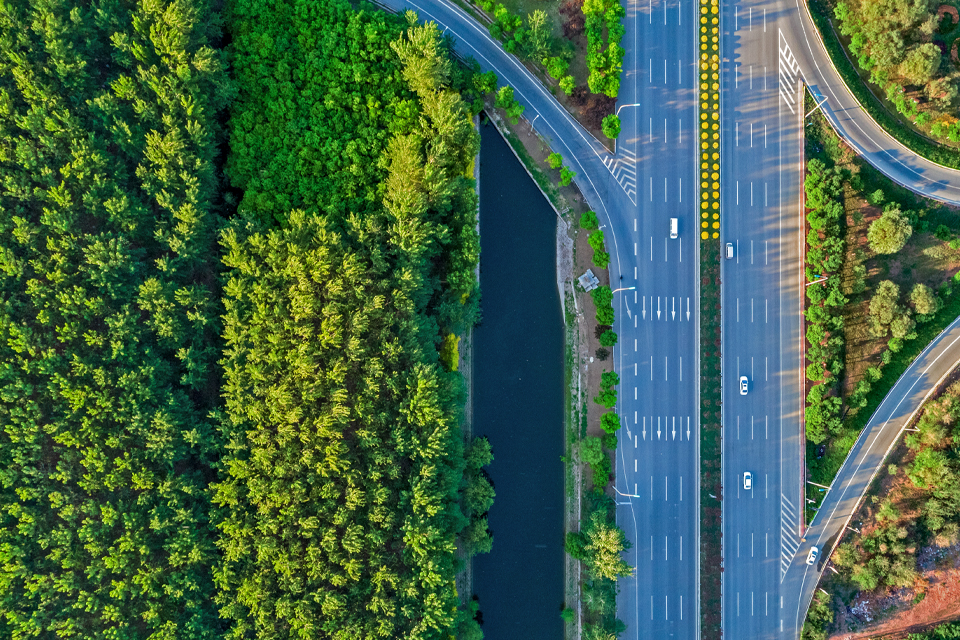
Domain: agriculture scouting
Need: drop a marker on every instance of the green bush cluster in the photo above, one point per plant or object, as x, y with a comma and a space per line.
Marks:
603, 300
600, 256
599, 545
531, 39
948, 631
508, 103
819, 618
611, 126
825, 248
604, 58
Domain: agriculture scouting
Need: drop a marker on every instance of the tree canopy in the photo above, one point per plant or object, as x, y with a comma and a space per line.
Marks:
109, 316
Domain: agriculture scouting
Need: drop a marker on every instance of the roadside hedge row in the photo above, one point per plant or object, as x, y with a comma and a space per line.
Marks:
825, 249
946, 156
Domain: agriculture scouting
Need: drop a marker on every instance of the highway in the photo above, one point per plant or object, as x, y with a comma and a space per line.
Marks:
657, 458
768, 47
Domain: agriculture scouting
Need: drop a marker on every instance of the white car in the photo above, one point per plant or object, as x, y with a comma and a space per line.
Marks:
729, 250
747, 480
744, 385
812, 556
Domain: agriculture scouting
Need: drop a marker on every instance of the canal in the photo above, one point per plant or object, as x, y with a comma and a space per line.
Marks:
518, 401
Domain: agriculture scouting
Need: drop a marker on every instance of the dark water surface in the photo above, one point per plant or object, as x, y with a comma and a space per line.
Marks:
518, 401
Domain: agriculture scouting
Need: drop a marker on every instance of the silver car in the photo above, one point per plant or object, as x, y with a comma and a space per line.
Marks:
812, 556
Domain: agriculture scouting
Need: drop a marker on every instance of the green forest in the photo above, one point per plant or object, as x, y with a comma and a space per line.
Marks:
235, 241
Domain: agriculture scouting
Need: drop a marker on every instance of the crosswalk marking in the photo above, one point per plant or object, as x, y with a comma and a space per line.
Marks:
789, 71
623, 169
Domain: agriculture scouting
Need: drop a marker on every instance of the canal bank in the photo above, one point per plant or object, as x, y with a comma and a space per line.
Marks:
518, 400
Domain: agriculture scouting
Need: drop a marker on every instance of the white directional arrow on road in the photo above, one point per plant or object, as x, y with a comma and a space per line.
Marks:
658, 427
675, 429
644, 307
688, 314
688, 428
644, 428
658, 307
673, 308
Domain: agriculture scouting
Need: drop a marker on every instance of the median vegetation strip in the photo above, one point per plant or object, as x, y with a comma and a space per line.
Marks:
887, 260
711, 549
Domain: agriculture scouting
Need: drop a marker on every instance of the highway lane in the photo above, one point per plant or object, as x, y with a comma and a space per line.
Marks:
762, 285
652, 178
879, 437
658, 361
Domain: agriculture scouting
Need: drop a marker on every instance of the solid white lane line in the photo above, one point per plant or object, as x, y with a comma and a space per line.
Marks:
651, 177
681, 500
651, 70
764, 126
681, 607
666, 547
751, 128
766, 368
751, 257
651, 130
751, 309
680, 131
681, 559
738, 309
751, 544
664, 131
738, 192
736, 134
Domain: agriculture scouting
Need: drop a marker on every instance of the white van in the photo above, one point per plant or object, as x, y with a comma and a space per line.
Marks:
673, 228
729, 251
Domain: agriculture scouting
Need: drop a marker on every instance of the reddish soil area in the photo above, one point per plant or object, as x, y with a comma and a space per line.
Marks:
940, 603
